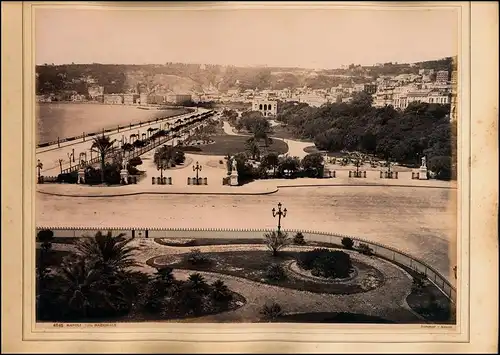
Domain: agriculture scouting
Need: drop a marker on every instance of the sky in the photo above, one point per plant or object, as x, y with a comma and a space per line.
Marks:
310, 38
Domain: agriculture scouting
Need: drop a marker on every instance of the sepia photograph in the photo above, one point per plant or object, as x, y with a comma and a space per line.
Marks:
253, 176
221, 165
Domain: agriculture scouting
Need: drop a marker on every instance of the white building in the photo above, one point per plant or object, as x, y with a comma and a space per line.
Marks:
268, 108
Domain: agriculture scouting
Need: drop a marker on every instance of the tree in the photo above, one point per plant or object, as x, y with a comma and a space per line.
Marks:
252, 148
270, 161
313, 164
275, 241
288, 166
164, 157
107, 253
103, 145
441, 166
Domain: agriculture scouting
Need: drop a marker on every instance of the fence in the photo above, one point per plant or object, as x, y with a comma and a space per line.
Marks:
386, 252
137, 151
129, 126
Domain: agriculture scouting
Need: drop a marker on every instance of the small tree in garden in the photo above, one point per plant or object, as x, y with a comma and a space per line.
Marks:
271, 311
220, 292
45, 237
298, 239
275, 241
365, 249
347, 242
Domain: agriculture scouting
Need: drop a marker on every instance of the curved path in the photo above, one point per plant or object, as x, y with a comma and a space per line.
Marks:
295, 148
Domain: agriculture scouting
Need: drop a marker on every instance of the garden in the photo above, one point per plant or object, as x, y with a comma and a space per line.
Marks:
273, 278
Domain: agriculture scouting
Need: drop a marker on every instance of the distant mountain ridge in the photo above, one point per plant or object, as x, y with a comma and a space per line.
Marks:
195, 78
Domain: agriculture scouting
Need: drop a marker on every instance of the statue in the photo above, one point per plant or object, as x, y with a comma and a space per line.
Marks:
234, 167
124, 162
424, 163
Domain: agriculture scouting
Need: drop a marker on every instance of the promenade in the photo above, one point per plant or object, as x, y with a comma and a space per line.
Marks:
49, 156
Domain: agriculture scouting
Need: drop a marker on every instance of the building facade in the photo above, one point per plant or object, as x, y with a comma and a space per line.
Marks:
268, 108
113, 99
179, 98
442, 76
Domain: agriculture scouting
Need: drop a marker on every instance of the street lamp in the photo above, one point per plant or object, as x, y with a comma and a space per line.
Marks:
60, 164
39, 166
279, 213
197, 168
71, 156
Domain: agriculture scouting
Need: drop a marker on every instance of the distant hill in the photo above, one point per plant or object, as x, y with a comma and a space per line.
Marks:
191, 78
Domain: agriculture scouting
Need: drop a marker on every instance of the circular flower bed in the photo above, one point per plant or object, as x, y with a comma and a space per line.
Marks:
296, 269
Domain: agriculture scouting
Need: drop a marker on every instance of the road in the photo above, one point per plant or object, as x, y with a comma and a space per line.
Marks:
420, 221
49, 157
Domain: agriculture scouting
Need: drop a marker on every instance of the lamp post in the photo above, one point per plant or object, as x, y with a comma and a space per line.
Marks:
279, 213
73, 154
39, 166
197, 168
70, 157
60, 164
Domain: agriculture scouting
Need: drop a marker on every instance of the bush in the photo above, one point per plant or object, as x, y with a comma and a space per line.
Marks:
70, 178
196, 257
326, 263
135, 161
271, 311
298, 239
275, 272
347, 242
132, 170
363, 248
179, 157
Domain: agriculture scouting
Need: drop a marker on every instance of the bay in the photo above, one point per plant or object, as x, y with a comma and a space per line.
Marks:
72, 119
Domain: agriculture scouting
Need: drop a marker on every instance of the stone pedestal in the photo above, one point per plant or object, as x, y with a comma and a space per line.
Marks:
124, 175
422, 173
233, 179
81, 176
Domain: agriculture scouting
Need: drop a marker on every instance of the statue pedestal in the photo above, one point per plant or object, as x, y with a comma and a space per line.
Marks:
422, 173
233, 179
81, 177
124, 175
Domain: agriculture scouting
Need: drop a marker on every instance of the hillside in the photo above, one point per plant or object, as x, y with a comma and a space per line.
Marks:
193, 78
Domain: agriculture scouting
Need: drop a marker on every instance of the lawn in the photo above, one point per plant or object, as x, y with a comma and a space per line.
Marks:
225, 144
253, 265
190, 242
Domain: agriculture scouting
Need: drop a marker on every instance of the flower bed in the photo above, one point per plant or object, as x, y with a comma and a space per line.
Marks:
176, 242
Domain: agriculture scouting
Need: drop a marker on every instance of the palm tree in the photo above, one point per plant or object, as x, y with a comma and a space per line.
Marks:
197, 283
87, 291
275, 241
220, 292
108, 253
102, 145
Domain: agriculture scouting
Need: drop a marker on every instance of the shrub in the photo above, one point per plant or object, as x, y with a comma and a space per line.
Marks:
326, 263
298, 239
271, 311
196, 257
70, 178
220, 293
347, 242
135, 161
363, 248
275, 272
275, 241
179, 157
132, 170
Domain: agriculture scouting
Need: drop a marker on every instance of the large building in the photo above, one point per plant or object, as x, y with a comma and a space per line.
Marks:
442, 76
179, 99
266, 107
370, 88
113, 99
